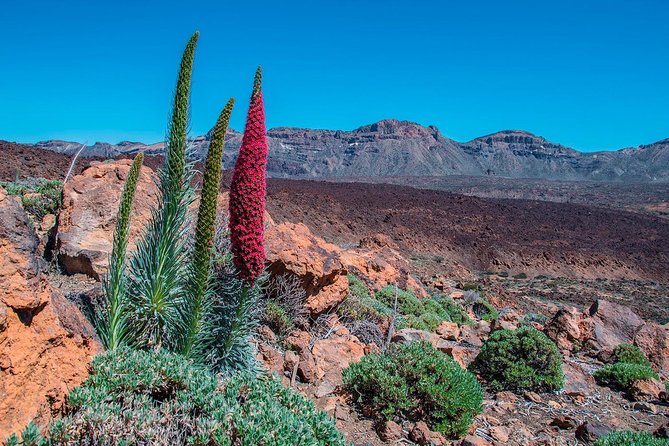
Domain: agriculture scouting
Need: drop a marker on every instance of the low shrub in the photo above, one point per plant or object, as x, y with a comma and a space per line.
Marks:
630, 438
407, 302
415, 381
520, 360
356, 287
484, 310
367, 331
622, 375
630, 354
277, 318
530, 318
160, 398
38, 196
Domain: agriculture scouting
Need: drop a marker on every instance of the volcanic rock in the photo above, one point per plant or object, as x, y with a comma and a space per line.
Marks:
45, 342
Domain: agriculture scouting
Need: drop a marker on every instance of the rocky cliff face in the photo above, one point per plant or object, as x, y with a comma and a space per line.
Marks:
402, 148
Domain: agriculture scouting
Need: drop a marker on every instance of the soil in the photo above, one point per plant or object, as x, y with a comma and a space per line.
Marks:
445, 233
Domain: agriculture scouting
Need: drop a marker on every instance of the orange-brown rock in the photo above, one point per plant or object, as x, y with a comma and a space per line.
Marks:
87, 219
45, 342
645, 389
334, 354
569, 328
653, 340
613, 324
377, 260
292, 248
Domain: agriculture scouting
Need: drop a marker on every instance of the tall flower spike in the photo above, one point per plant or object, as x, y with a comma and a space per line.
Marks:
247, 192
111, 324
205, 227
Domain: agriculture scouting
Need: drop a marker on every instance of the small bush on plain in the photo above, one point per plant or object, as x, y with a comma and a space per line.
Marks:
416, 381
622, 375
520, 360
630, 354
630, 438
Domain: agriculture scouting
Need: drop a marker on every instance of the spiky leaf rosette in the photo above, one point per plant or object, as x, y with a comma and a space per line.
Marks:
200, 266
247, 192
111, 322
157, 268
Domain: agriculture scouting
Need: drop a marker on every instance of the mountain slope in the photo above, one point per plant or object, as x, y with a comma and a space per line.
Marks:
402, 148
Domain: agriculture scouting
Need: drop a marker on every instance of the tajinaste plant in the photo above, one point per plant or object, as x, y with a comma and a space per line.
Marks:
247, 192
111, 320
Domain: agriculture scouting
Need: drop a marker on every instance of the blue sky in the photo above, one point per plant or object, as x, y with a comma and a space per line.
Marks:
587, 74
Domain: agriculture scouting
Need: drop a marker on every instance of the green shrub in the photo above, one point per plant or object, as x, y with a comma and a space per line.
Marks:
484, 310
455, 311
416, 381
407, 302
160, 398
520, 360
630, 438
356, 287
622, 375
630, 354
38, 196
277, 318
530, 318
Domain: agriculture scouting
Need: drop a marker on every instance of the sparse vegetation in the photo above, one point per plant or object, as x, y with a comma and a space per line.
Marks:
39, 196
520, 360
416, 381
630, 438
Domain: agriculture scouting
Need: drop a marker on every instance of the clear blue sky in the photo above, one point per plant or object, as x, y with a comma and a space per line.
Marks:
587, 74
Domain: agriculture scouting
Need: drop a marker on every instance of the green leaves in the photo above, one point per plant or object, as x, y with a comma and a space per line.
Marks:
416, 381
111, 322
136, 398
200, 266
519, 360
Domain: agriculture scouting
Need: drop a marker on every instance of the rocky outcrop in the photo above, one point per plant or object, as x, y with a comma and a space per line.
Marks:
378, 260
598, 330
87, 219
292, 248
45, 342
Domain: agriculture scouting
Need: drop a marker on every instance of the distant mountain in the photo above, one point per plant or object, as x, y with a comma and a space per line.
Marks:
402, 148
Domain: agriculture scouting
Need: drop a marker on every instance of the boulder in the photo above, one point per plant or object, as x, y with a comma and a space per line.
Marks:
645, 390
612, 324
590, 431
292, 248
423, 435
653, 340
578, 382
45, 342
333, 355
409, 335
569, 328
88, 217
377, 260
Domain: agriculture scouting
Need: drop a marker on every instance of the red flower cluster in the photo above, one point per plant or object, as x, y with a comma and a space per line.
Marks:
247, 192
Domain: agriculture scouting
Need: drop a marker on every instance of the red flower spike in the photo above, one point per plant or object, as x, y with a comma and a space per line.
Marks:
247, 192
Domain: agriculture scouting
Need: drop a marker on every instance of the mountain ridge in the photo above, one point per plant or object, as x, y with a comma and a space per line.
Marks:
392, 147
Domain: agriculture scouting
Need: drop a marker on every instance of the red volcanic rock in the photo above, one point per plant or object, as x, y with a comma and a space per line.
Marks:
45, 342
377, 260
646, 390
569, 328
653, 340
334, 354
613, 324
294, 249
88, 217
